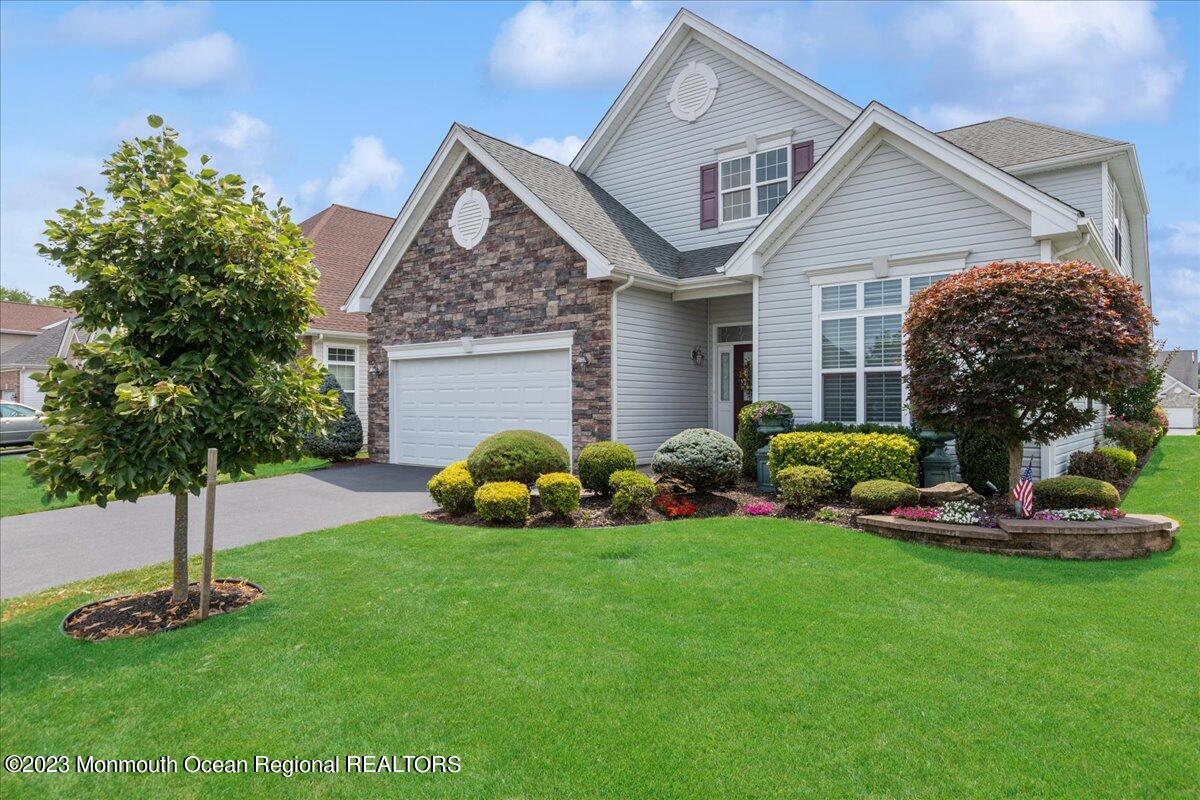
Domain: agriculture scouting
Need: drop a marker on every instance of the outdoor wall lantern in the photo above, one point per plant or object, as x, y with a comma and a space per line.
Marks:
698, 356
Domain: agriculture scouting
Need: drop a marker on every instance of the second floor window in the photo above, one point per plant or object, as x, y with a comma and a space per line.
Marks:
752, 185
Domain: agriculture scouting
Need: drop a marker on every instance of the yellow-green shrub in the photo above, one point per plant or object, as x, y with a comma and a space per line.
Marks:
559, 492
599, 460
1124, 459
502, 501
453, 489
802, 485
632, 492
850, 457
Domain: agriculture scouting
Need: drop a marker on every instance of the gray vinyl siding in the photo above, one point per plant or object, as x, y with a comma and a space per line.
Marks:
1086, 439
660, 391
890, 205
1079, 187
734, 310
654, 166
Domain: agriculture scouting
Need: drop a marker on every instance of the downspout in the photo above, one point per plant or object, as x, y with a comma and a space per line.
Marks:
612, 359
1084, 242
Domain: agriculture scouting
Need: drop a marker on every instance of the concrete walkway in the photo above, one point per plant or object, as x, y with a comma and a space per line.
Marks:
49, 548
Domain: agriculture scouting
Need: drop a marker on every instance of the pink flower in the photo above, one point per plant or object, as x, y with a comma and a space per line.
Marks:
759, 508
916, 513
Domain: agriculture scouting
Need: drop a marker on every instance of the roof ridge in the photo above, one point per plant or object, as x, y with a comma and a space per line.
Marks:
1066, 130
524, 150
359, 210
35, 305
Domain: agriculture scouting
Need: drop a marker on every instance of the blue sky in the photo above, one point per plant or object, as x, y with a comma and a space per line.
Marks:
346, 102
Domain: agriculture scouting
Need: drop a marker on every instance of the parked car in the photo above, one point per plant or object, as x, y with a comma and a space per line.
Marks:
19, 423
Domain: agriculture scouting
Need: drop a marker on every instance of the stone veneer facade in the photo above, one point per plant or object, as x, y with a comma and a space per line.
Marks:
522, 278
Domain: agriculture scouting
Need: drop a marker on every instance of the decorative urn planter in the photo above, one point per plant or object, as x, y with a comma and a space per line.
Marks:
769, 426
939, 466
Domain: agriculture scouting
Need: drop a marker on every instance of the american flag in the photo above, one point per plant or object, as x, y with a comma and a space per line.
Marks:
1023, 492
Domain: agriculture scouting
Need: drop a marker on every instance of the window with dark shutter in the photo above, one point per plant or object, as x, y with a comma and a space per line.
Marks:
802, 160
708, 196
1117, 243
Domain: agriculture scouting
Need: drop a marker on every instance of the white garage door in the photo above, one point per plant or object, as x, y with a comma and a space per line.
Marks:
31, 395
1183, 418
443, 406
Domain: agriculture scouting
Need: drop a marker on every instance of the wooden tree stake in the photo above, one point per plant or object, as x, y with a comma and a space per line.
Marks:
210, 510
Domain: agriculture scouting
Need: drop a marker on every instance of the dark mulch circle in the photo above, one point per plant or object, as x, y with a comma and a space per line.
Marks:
153, 612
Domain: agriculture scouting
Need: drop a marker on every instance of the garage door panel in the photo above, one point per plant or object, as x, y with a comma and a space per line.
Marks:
442, 407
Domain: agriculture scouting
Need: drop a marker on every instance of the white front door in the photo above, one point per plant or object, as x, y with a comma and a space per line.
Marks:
723, 388
442, 406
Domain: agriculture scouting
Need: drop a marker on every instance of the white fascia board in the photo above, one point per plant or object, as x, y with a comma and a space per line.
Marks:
1044, 214
706, 287
489, 345
457, 145
334, 334
684, 26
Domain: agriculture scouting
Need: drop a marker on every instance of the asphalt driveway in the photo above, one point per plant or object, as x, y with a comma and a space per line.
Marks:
49, 548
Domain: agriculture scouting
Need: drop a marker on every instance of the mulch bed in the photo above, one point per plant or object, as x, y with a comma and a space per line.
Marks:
153, 612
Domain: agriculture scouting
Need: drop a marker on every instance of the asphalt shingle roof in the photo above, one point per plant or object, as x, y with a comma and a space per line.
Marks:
344, 241
1008, 141
36, 351
30, 317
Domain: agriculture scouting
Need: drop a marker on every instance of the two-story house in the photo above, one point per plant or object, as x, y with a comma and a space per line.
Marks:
730, 230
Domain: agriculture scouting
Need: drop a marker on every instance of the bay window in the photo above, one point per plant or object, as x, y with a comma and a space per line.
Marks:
861, 349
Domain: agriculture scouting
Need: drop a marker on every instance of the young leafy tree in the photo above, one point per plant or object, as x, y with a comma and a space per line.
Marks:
1009, 348
199, 291
15, 295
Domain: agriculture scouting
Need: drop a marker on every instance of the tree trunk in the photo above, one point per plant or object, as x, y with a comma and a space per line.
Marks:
179, 589
1016, 452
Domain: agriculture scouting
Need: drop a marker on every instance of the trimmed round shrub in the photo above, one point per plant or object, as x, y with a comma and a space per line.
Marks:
884, 495
982, 457
1094, 464
453, 489
1125, 460
850, 457
1136, 436
1075, 491
802, 485
748, 438
516, 456
700, 457
502, 502
344, 438
559, 492
632, 492
599, 460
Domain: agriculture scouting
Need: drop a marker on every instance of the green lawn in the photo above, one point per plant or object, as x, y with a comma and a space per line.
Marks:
720, 658
20, 495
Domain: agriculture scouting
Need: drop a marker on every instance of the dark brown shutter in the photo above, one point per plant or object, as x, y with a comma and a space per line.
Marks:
708, 196
802, 160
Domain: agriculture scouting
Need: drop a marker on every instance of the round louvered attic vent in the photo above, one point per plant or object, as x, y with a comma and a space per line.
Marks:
469, 220
693, 92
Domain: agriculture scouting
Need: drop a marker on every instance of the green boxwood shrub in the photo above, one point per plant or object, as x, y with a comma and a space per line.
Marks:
700, 457
503, 502
516, 456
1094, 464
749, 439
632, 492
452, 489
850, 457
802, 486
345, 436
1125, 460
1136, 436
982, 457
878, 496
559, 492
1075, 491
599, 460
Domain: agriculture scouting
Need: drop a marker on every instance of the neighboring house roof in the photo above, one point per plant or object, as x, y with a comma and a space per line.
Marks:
29, 317
344, 239
1182, 366
590, 211
1172, 385
37, 351
1009, 141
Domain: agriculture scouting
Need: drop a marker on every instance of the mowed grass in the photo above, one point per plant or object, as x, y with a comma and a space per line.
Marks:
20, 495
719, 658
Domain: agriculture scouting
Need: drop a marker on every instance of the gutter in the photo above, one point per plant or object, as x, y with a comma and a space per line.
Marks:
612, 359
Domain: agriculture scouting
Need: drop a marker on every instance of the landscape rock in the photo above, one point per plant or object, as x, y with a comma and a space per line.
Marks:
948, 491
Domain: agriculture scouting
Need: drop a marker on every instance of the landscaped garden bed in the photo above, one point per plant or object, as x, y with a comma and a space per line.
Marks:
152, 612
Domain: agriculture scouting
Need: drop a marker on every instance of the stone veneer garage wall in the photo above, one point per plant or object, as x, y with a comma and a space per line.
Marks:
521, 278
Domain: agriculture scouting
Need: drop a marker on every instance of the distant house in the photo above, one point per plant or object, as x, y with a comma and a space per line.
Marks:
1180, 395
18, 365
20, 322
344, 240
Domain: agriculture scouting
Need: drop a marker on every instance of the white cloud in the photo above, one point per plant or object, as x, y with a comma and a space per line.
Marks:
131, 24
367, 166
575, 44
190, 64
1184, 240
1073, 63
561, 150
242, 132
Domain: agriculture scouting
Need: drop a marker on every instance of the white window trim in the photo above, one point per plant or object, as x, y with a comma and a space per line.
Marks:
353, 348
860, 370
469, 346
752, 148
